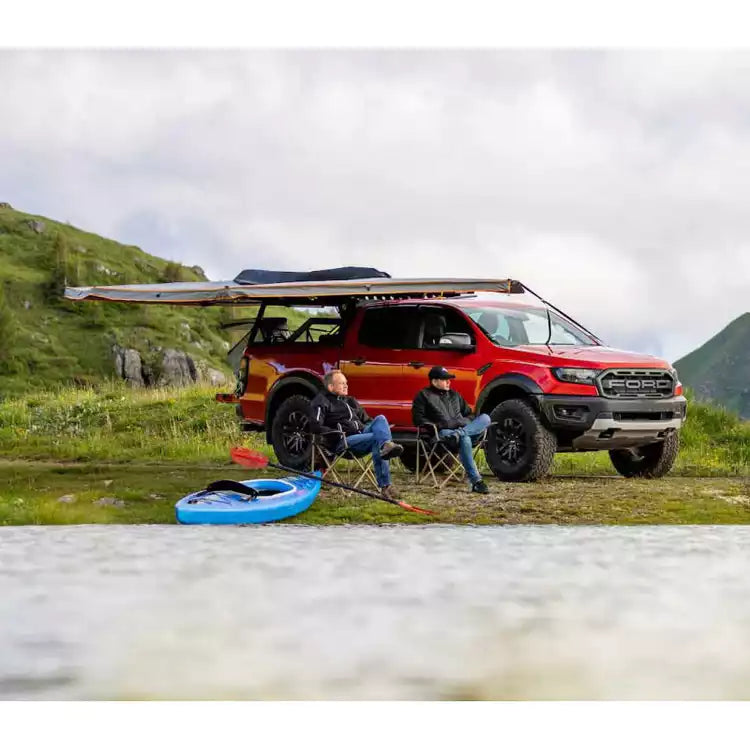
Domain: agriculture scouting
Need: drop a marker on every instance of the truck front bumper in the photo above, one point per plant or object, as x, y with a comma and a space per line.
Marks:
595, 423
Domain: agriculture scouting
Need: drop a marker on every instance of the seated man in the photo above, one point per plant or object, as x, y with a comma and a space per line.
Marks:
448, 411
334, 408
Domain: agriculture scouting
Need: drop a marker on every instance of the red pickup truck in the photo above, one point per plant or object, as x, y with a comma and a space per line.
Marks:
547, 383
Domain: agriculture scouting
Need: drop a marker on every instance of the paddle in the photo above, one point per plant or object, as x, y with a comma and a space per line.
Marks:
251, 459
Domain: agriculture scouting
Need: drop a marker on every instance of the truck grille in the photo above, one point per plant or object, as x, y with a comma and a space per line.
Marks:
636, 384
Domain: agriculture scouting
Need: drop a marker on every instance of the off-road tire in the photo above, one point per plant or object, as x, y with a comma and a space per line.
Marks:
290, 432
520, 448
649, 461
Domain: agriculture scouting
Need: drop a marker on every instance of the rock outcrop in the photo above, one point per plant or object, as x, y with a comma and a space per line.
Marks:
177, 368
170, 367
128, 366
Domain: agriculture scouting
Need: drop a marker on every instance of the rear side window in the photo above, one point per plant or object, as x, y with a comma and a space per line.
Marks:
389, 327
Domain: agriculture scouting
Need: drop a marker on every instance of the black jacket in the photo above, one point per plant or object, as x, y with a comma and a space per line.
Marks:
330, 411
446, 409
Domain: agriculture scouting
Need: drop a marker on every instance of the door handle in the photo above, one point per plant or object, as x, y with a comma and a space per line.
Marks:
358, 361
416, 364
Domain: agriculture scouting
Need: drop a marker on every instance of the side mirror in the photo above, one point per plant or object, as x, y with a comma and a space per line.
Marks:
460, 342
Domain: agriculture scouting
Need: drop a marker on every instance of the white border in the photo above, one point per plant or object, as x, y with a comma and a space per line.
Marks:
387, 23
377, 725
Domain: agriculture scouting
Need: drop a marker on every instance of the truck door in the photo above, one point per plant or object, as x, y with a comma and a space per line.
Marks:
373, 360
433, 322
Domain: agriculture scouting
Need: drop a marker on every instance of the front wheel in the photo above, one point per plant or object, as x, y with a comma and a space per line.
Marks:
649, 461
290, 432
519, 447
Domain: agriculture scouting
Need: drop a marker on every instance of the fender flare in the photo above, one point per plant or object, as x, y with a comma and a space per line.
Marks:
524, 382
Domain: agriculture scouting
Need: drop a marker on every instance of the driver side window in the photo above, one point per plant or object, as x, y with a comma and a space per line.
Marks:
436, 322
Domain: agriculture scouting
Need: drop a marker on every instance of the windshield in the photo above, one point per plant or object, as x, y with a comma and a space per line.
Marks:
508, 327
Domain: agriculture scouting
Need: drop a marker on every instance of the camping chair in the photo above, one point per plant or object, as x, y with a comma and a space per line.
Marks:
341, 464
437, 458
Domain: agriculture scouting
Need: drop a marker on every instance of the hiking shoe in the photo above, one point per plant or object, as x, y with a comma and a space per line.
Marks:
480, 487
390, 492
391, 450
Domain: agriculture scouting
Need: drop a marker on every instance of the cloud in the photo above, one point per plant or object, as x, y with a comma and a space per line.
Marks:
613, 183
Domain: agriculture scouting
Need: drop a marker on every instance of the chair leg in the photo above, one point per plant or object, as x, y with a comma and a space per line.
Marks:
431, 464
330, 471
453, 472
366, 472
427, 468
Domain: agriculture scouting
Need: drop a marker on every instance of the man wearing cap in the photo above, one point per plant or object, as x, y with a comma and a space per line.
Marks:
449, 412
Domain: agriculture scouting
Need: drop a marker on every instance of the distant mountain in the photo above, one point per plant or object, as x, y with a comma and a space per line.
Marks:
719, 371
45, 339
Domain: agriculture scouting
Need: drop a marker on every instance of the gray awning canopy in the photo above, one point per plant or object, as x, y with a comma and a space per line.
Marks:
302, 293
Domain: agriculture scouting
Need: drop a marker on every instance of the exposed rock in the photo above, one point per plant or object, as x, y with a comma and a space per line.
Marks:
132, 370
177, 368
5, 205
107, 482
110, 501
211, 375
128, 365
168, 367
26, 304
66, 499
36, 226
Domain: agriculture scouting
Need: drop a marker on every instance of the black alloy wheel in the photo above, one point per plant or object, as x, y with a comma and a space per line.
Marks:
520, 447
511, 440
296, 435
290, 432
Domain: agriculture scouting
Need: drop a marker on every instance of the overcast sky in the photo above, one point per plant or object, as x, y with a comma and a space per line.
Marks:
615, 184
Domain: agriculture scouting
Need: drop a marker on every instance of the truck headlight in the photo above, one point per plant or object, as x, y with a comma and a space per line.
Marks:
579, 375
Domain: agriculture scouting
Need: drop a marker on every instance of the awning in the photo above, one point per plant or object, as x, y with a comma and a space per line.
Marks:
302, 293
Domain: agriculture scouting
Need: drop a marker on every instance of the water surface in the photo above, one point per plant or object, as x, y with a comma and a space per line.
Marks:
296, 612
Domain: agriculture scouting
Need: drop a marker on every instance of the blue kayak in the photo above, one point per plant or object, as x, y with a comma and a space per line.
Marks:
264, 500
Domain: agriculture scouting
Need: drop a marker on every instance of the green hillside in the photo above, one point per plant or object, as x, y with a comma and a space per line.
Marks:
47, 340
719, 371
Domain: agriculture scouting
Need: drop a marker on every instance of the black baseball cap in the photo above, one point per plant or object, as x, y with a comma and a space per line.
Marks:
440, 373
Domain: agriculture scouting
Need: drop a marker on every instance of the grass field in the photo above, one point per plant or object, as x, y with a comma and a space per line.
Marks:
125, 456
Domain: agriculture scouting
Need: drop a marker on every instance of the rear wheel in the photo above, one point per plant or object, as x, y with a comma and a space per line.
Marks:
290, 432
519, 448
648, 461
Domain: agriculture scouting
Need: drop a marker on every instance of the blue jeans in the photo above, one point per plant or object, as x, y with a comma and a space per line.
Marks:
372, 438
466, 438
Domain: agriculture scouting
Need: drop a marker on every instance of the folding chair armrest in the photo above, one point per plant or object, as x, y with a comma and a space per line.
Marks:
429, 430
325, 437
